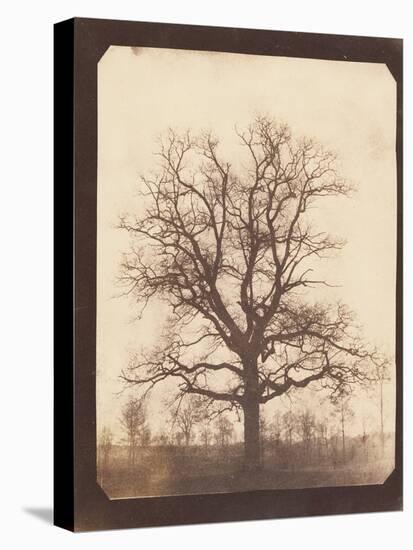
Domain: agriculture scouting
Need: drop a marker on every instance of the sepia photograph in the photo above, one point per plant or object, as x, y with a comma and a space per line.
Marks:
204, 216
246, 272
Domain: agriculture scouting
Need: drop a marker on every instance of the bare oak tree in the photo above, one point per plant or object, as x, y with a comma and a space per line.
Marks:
230, 250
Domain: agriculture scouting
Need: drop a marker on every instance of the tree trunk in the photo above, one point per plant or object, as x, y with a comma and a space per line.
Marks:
252, 457
252, 435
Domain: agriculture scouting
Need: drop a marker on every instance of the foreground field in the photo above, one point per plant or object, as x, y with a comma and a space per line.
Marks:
170, 471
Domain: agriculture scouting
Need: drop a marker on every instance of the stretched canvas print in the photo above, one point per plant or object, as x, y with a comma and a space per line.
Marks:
237, 274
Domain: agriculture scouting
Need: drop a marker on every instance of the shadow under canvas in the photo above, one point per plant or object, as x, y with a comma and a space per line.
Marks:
44, 514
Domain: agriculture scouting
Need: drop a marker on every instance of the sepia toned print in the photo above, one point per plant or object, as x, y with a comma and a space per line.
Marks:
246, 272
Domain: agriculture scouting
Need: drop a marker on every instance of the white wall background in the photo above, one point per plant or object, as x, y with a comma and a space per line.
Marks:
26, 272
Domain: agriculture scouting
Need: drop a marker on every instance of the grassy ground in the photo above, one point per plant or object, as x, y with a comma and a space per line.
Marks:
160, 473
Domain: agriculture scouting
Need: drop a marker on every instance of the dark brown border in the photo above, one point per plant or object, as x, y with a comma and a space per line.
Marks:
92, 509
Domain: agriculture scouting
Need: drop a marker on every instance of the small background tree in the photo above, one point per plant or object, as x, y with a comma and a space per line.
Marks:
224, 431
133, 422
382, 377
343, 412
307, 426
105, 443
185, 418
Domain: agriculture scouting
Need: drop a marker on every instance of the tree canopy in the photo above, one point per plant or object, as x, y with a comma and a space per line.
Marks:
230, 251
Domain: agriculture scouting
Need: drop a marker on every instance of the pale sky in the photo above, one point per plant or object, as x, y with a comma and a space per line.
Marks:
348, 107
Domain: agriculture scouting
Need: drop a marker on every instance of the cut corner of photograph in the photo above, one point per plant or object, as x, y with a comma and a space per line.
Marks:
246, 271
